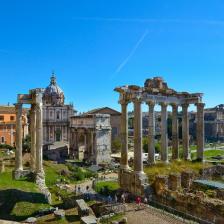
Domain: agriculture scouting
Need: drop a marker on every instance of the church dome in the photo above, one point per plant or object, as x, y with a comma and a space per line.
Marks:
53, 95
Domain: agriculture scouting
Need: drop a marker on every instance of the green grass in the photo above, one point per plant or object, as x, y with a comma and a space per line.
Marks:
19, 198
110, 187
210, 153
173, 167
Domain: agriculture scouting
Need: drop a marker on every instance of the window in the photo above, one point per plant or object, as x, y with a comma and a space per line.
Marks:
51, 114
1, 118
58, 115
12, 118
2, 139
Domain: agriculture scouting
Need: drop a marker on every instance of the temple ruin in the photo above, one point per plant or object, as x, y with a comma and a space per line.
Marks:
34, 98
156, 91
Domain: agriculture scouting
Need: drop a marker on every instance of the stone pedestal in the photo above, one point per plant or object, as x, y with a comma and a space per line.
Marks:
174, 182
135, 183
186, 179
161, 184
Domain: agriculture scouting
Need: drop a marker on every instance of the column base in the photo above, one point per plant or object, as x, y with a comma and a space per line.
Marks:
133, 181
124, 167
18, 174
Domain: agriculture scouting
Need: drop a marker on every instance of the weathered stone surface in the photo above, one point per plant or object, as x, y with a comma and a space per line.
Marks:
32, 220
186, 179
174, 182
2, 166
83, 208
88, 220
59, 214
160, 184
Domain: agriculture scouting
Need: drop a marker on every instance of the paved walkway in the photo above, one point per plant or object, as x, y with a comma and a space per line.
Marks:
149, 215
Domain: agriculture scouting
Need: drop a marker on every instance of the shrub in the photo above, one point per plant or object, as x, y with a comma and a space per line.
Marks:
116, 145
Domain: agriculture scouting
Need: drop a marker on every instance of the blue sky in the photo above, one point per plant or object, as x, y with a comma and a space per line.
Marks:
96, 45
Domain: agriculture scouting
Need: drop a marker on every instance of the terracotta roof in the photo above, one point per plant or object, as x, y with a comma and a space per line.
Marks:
10, 109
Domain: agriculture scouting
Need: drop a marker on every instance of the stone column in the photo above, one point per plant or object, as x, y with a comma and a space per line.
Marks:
200, 131
164, 137
185, 132
151, 133
175, 132
124, 135
138, 161
19, 134
92, 143
39, 139
33, 137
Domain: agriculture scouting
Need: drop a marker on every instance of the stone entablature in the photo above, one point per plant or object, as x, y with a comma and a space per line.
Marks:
91, 138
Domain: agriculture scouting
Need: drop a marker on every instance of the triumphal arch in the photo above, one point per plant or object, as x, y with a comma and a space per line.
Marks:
156, 91
34, 98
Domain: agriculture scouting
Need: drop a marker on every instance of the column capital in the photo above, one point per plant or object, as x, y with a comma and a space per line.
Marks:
150, 103
174, 105
123, 102
137, 100
201, 105
163, 104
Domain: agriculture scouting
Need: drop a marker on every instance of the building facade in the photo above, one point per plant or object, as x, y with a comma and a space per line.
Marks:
8, 124
56, 114
90, 138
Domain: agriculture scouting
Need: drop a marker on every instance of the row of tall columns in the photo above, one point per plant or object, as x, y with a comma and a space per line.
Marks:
36, 138
138, 162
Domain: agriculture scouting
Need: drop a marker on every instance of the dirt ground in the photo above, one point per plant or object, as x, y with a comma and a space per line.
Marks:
148, 215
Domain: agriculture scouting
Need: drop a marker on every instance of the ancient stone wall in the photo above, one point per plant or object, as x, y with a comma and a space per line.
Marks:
194, 204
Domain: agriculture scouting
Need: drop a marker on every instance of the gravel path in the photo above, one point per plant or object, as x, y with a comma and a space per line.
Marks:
149, 215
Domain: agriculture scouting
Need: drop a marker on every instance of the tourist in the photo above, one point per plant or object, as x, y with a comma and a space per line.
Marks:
123, 198
115, 198
138, 202
109, 199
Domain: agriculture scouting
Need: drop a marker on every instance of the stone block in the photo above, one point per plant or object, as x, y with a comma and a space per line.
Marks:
88, 220
186, 179
83, 209
59, 214
2, 166
160, 184
174, 182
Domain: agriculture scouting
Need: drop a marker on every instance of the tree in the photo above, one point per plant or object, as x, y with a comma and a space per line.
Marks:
116, 145
27, 143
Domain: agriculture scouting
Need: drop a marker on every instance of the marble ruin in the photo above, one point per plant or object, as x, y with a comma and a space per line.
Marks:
156, 91
35, 99
90, 138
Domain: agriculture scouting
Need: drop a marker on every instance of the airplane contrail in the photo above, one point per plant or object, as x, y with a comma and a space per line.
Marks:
125, 61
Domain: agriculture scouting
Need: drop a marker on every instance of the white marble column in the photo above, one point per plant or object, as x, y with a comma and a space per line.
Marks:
151, 133
19, 136
138, 161
39, 139
124, 135
164, 136
175, 132
33, 137
200, 131
185, 132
